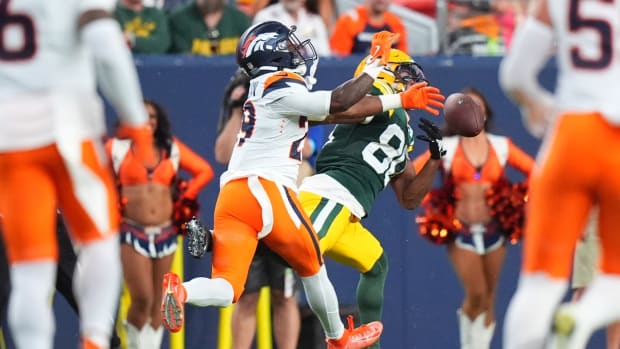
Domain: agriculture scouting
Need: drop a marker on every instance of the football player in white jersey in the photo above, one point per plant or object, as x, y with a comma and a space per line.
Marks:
577, 167
51, 156
258, 198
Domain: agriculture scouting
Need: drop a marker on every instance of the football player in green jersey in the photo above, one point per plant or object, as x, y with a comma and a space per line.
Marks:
355, 164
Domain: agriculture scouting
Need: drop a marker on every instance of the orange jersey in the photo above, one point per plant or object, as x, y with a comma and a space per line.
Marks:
130, 171
502, 152
353, 32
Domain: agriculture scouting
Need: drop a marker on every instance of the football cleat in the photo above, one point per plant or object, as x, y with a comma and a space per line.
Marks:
357, 338
173, 301
567, 333
198, 238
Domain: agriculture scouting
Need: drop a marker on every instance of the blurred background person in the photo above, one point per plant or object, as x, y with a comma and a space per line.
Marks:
207, 27
353, 30
145, 28
471, 170
509, 14
148, 235
300, 14
267, 268
473, 29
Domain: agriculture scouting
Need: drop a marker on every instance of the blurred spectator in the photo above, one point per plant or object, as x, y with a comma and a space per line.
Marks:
294, 12
425, 7
145, 28
473, 29
207, 27
509, 14
165, 5
326, 10
154, 3
353, 30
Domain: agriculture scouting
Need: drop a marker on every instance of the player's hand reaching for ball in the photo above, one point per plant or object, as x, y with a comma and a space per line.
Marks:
432, 135
380, 46
422, 96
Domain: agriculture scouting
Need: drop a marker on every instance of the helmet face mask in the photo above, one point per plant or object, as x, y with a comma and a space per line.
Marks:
401, 71
408, 73
271, 46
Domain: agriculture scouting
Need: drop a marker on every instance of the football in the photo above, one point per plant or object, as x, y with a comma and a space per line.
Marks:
463, 116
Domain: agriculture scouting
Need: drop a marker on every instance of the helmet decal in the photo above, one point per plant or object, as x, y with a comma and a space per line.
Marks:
258, 43
269, 46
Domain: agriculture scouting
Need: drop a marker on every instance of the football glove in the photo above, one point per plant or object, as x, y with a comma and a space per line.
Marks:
199, 239
422, 96
142, 139
380, 46
433, 137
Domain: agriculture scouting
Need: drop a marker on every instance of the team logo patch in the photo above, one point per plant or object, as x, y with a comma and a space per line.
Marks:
258, 43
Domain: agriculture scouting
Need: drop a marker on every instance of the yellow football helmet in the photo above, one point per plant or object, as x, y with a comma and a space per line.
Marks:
400, 71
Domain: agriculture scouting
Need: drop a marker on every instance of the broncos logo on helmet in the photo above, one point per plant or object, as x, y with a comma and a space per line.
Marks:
271, 46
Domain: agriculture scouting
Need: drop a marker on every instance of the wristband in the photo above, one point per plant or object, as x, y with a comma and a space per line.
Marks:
389, 102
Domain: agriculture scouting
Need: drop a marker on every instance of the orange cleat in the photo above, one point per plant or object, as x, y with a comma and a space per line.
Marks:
357, 338
173, 301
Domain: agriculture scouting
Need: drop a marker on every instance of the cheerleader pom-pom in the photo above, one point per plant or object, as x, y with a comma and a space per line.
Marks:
507, 202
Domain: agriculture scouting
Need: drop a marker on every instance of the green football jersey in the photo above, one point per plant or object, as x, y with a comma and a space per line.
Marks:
364, 157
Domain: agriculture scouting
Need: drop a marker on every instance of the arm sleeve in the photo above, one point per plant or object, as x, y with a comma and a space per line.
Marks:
199, 168
519, 159
115, 69
313, 105
531, 43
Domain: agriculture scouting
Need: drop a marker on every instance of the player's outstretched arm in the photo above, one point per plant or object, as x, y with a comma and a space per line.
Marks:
116, 73
409, 187
419, 96
346, 95
533, 42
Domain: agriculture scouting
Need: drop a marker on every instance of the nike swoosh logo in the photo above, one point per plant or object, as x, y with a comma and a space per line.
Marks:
377, 49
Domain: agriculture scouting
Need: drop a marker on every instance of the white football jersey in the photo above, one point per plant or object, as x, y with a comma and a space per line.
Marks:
588, 49
272, 136
47, 77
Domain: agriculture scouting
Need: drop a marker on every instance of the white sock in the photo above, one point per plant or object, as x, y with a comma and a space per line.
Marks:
97, 285
598, 307
156, 336
323, 301
481, 334
205, 292
529, 315
30, 313
138, 338
465, 330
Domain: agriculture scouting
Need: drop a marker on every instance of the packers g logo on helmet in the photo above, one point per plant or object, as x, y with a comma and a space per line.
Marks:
400, 71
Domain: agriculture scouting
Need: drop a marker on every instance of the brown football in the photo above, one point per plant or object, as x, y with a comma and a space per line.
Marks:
463, 116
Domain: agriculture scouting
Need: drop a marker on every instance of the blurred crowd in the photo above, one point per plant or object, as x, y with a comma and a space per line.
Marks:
336, 27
